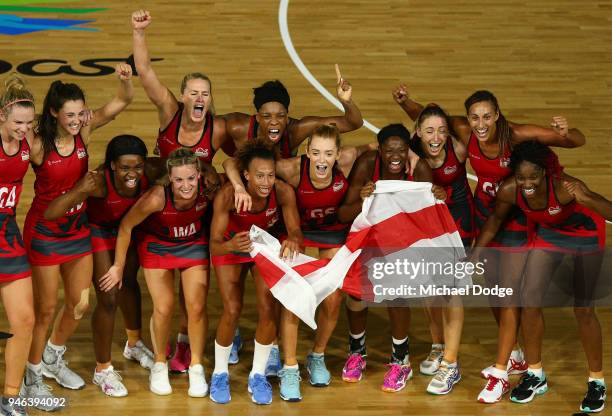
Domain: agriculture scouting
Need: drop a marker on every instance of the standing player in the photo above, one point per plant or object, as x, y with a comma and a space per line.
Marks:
563, 226
387, 163
446, 156
188, 122
16, 120
230, 245
110, 191
489, 139
319, 180
62, 248
171, 237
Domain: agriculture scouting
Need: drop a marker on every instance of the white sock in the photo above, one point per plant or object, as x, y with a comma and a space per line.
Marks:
260, 358
54, 347
538, 372
292, 367
37, 368
182, 338
599, 380
438, 347
222, 358
357, 336
399, 341
445, 363
317, 354
517, 355
496, 372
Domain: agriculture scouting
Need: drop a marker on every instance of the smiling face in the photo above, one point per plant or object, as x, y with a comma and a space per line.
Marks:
70, 117
272, 118
433, 132
260, 177
184, 180
17, 123
197, 99
393, 154
482, 117
128, 170
529, 178
323, 154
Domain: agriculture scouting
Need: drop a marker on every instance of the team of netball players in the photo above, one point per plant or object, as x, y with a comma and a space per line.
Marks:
175, 213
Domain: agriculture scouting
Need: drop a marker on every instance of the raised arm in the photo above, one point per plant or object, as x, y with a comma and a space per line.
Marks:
157, 92
289, 170
348, 155
295, 240
559, 134
242, 199
351, 120
583, 195
92, 184
117, 104
152, 201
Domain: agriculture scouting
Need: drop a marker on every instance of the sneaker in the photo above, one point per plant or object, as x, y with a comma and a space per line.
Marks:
354, 368
236, 347
197, 381
494, 390
444, 380
290, 384
396, 377
11, 409
260, 390
54, 366
528, 387
515, 367
181, 359
595, 399
274, 364
38, 390
110, 382
319, 376
139, 353
158, 380
220, 388
430, 365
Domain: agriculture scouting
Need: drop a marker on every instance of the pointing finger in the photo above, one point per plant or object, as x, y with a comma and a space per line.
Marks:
338, 74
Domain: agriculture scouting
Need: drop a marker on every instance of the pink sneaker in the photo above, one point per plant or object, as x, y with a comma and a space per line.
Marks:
396, 378
517, 367
354, 367
181, 359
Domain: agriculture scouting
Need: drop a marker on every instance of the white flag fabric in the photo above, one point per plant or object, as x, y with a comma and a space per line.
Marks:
397, 221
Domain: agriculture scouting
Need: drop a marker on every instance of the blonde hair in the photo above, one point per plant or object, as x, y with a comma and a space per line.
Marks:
199, 75
326, 131
179, 157
15, 93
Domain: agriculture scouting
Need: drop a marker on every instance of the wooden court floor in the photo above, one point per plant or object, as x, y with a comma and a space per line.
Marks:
541, 58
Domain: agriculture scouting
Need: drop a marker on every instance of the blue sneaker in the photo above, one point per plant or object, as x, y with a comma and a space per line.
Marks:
220, 388
236, 347
290, 384
319, 376
260, 389
273, 366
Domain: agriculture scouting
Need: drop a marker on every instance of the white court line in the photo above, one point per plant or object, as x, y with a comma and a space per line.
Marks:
286, 37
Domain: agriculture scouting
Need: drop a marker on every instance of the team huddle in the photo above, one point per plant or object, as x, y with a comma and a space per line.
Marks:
175, 212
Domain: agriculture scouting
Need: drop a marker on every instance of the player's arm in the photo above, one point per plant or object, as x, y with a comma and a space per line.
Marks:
289, 170
360, 187
222, 205
286, 200
504, 201
559, 134
576, 189
92, 184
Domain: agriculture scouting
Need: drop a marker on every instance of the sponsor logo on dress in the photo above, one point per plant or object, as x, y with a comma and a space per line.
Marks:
473, 156
338, 186
81, 153
270, 212
449, 170
504, 162
200, 206
201, 152
554, 210
25, 155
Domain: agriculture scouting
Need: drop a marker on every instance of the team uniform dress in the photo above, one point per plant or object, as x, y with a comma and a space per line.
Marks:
264, 219
491, 173
13, 258
571, 228
318, 208
173, 238
168, 139
285, 145
58, 241
452, 177
105, 214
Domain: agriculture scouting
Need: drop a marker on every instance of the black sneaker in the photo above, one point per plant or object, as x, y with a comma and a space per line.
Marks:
595, 399
529, 386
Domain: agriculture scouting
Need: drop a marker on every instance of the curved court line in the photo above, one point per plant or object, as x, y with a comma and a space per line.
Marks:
297, 61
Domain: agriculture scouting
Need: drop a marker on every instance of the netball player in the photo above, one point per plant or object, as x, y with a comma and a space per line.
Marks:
16, 121
62, 248
387, 163
563, 226
230, 245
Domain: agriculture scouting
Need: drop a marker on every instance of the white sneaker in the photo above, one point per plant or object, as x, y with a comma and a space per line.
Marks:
110, 383
494, 389
429, 366
139, 353
514, 367
197, 381
158, 380
444, 380
54, 366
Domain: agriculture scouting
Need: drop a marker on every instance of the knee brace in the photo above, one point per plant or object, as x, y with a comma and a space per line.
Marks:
81, 307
